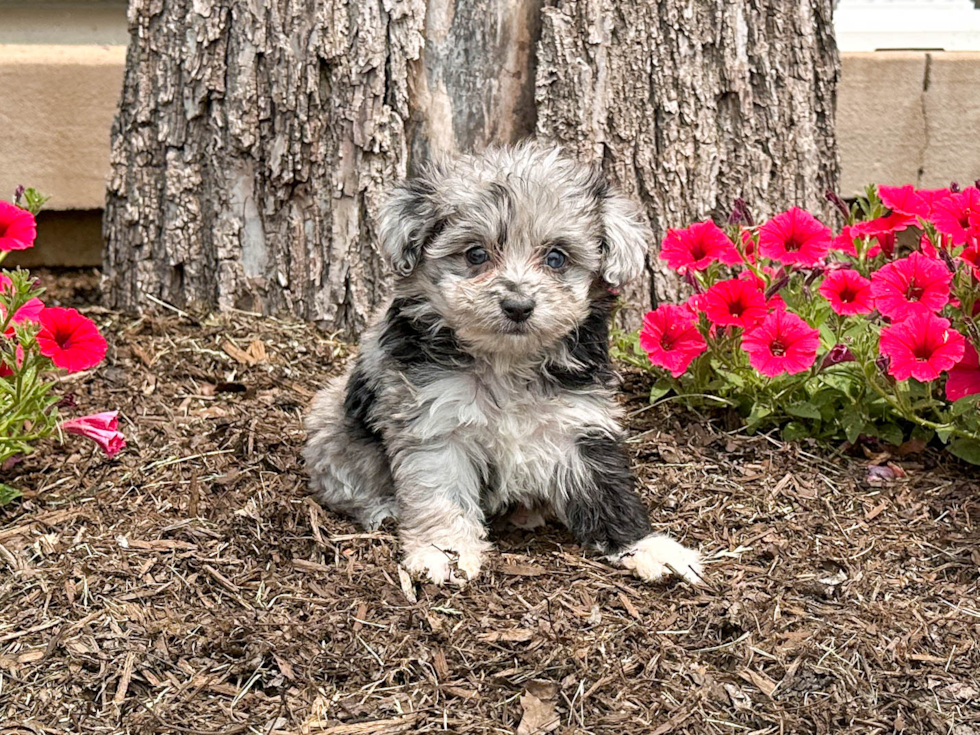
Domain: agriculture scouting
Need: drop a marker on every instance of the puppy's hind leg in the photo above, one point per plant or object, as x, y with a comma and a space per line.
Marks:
600, 505
349, 471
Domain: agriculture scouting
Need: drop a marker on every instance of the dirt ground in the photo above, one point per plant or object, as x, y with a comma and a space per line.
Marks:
189, 586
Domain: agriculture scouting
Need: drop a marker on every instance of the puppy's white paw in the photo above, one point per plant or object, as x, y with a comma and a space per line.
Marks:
437, 564
656, 556
430, 562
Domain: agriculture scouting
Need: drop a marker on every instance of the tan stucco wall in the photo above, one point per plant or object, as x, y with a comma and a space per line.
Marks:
56, 108
908, 118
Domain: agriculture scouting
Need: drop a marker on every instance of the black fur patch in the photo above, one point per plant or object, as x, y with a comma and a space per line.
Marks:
589, 347
606, 512
418, 208
359, 404
419, 341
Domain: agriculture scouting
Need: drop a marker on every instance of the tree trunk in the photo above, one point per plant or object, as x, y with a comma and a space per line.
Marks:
692, 104
256, 139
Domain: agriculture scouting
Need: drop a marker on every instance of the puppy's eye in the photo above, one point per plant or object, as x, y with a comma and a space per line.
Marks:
555, 259
477, 256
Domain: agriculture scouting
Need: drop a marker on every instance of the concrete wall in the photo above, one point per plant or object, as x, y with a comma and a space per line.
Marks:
903, 117
909, 117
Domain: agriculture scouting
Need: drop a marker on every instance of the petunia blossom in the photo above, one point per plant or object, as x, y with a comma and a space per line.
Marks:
848, 292
904, 200
71, 340
30, 311
921, 347
884, 230
102, 428
844, 242
915, 284
795, 237
697, 247
18, 229
964, 377
952, 215
782, 343
671, 338
734, 303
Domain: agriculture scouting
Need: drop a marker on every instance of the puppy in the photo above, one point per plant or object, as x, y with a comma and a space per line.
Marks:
486, 385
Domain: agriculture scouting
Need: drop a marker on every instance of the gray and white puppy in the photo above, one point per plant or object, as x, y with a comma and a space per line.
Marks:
486, 385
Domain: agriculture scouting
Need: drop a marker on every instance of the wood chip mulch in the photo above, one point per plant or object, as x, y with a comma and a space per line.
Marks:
189, 586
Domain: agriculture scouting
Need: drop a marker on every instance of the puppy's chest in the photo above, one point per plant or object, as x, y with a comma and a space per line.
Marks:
529, 435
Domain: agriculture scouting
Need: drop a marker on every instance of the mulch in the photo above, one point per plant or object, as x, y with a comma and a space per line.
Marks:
190, 586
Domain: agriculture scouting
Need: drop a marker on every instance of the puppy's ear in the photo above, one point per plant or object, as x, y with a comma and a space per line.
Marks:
409, 219
625, 237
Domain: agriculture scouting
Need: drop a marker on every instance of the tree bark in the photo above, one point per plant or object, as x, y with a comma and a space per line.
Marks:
255, 140
692, 104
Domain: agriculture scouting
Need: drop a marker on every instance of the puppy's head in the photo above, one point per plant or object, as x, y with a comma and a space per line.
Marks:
509, 247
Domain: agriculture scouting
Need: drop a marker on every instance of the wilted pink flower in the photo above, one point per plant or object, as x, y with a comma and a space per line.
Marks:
102, 428
838, 353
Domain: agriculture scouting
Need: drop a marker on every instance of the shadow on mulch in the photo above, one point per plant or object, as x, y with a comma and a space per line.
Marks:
189, 586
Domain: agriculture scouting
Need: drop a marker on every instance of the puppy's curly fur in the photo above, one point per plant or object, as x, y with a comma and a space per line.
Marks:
486, 385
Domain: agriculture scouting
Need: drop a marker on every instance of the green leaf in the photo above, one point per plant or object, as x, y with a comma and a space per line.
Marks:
944, 434
757, 414
658, 391
8, 494
794, 431
966, 449
891, 434
852, 422
804, 411
923, 433
731, 378
964, 405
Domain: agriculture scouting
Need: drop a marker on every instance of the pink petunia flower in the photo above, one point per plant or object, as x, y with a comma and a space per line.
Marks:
735, 303
964, 377
844, 242
782, 343
884, 230
671, 338
915, 284
904, 200
102, 428
18, 229
31, 311
921, 347
71, 340
848, 292
952, 215
933, 195
795, 237
697, 247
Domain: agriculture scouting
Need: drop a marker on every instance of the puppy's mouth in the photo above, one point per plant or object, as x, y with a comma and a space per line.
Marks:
518, 328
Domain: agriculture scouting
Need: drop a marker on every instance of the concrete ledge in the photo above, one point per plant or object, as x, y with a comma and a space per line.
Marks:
57, 103
908, 118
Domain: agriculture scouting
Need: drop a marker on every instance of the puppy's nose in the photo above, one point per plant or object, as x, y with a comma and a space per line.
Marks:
517, 308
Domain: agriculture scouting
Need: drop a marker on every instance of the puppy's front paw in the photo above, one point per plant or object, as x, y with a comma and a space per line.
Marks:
437, 564
656, 556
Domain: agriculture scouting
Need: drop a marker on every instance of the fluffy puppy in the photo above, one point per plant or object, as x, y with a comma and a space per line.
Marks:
485, 387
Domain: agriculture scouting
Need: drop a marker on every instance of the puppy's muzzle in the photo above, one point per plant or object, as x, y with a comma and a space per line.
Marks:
517, 308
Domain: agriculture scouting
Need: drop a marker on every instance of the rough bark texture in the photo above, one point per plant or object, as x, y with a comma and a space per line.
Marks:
691, 104
256, 139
